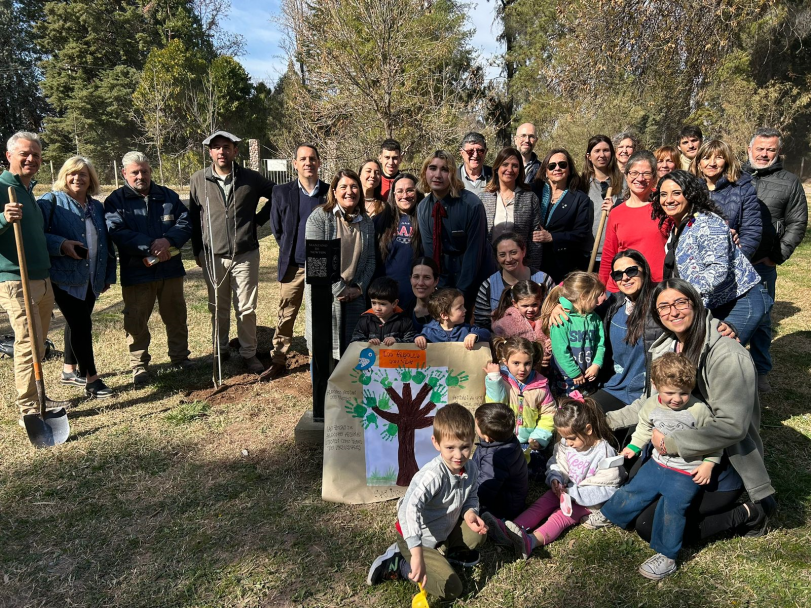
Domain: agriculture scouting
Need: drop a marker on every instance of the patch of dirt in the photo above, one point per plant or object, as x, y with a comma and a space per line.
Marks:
295, 382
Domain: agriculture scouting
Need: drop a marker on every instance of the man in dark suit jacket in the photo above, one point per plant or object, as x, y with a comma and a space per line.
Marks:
291, 205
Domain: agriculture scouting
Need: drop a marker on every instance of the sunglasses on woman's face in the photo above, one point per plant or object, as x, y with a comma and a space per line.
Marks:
630, 272
562, 164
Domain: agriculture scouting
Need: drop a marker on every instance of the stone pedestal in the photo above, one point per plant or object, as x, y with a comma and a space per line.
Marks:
253, 149
308, 431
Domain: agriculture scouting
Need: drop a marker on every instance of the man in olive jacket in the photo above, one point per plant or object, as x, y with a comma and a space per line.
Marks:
224, 199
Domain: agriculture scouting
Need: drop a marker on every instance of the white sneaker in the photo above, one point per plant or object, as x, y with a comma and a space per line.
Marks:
595, 521
658, 567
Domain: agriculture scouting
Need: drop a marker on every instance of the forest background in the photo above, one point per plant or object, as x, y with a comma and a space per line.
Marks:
101, 77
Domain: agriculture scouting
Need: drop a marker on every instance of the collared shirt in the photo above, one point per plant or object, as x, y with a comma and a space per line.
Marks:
310, 193
476, 186
225, 183
505, 214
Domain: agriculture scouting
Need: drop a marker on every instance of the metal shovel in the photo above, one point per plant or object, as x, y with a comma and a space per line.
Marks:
47, 428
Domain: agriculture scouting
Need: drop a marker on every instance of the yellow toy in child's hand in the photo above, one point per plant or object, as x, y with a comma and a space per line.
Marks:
421, 599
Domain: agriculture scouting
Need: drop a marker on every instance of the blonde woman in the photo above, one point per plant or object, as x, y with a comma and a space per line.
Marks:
82, 266
732, 191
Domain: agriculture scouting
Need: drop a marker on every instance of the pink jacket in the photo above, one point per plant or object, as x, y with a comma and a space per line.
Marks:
513, 325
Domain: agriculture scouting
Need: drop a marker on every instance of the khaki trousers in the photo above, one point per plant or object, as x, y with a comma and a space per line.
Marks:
139, 301
443, 582
237, 279
12, 301
291, 294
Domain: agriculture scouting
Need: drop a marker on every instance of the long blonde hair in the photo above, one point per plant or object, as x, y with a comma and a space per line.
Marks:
580, 288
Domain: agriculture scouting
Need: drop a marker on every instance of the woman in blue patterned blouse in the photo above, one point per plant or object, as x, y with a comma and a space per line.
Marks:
700, 249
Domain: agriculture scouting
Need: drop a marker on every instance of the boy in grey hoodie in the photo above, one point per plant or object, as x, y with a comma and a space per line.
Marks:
675, 478
439, 511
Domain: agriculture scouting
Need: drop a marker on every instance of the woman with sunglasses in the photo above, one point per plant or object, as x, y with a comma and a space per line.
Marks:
727, 383
566, 216
700, 250
510, 206
630, 225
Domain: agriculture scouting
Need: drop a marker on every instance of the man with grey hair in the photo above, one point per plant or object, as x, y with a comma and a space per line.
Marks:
149, 224
24, 154
782, 194
525, 139
474, 173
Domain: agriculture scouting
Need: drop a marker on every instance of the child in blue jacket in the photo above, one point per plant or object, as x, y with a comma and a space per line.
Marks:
447, 308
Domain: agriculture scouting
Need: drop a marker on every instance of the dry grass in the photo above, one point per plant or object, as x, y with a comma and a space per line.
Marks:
153, 501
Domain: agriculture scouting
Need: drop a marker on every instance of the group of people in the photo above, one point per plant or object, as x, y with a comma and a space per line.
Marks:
654, 340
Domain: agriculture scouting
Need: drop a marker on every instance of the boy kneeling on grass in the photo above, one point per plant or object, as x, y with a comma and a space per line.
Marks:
437, 519
384, 322
447, 309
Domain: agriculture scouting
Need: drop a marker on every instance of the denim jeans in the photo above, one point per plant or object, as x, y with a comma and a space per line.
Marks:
677, 491
761, 342
747, 312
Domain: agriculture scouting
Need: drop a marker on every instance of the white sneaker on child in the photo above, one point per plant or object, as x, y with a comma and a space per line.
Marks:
386, 567
595, 521
658, 567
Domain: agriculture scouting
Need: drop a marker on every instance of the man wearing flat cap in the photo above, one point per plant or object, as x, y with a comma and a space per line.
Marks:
223, 213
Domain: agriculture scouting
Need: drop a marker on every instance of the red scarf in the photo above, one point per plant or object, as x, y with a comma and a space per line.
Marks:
438, 213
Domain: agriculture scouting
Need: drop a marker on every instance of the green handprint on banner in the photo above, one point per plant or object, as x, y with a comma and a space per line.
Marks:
405, 374
389, 433
383, 378
371, 418
438, 394
456, 379
359, 377
369, 400
434, 378
419, 376
384, 403
356, 410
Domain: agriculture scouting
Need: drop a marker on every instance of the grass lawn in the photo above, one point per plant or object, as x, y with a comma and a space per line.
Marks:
171, 496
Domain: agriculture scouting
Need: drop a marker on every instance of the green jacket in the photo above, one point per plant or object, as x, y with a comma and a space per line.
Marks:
578, 343
33, 225
727, 381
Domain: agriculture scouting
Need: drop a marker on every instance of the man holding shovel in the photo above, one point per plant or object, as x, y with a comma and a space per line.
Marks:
24, 154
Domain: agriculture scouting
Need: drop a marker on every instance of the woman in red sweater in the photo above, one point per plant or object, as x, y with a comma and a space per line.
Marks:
630, 224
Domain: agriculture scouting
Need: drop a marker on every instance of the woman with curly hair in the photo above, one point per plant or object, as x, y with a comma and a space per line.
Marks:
700, 250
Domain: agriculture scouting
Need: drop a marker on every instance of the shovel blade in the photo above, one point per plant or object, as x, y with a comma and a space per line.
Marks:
49, 431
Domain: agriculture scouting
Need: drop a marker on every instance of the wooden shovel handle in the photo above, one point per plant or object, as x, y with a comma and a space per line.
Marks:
598, 236
33, 333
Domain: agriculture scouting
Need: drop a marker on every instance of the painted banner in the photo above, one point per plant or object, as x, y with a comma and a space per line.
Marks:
379, 413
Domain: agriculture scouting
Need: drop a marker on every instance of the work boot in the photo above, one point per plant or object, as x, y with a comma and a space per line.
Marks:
763, 385
184, 364
276, 370
253, 365
50, 404
140, 376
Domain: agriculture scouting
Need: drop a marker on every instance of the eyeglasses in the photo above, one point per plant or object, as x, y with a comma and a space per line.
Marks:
526, 136
642, 174
562, 164
630, 272
475, 152
665, 309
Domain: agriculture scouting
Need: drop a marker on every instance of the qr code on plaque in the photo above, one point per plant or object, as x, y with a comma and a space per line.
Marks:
317, 267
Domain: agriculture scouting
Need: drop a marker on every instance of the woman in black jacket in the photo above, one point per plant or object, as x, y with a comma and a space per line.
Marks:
566, 216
